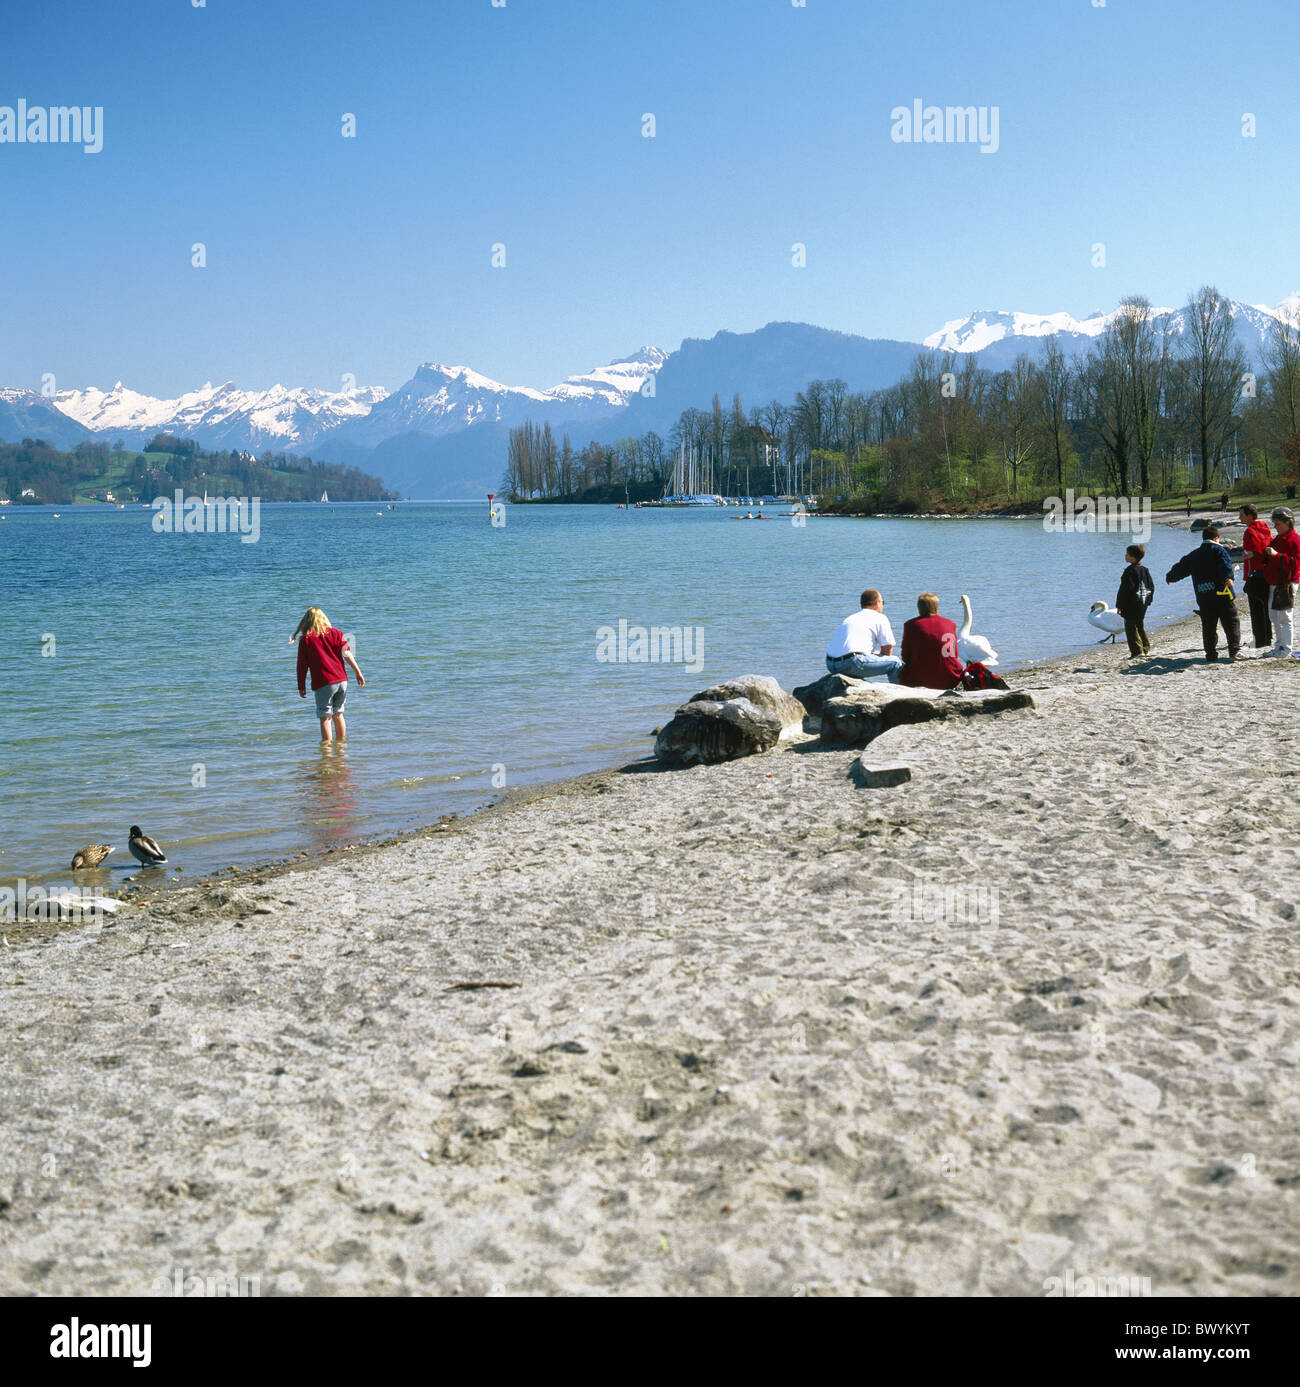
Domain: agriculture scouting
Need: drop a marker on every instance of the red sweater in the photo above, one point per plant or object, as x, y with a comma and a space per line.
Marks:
1286, 567
1256, 539
930, 659
323, 655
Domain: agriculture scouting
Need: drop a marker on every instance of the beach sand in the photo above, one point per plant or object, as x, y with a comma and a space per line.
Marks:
1031, 1015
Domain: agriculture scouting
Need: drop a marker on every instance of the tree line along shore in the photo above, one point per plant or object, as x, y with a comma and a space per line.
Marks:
33, 473
1142, 411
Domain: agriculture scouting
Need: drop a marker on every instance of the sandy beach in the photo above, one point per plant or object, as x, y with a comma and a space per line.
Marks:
739, 1029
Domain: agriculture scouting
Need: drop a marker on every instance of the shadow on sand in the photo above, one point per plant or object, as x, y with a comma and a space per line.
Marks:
1168, 664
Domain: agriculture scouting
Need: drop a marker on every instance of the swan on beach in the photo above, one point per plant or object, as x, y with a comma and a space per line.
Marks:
1107, 619
973, 649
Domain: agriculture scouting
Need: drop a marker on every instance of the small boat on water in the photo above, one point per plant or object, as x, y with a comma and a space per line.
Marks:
324, 495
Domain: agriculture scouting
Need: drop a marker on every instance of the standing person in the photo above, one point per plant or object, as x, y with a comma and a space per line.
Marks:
1254, 542
1189, 505
323, 650
863, 646
1283, 573
1210, 570
930, 659
1136, 591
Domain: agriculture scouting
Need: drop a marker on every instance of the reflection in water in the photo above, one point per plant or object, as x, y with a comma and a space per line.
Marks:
330, 798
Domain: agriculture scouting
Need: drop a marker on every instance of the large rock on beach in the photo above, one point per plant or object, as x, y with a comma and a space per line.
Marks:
763, 692
742, 717
814, 696
705, 731
862, 714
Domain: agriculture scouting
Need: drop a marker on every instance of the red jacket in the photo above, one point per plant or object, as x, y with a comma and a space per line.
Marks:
1286, 567
323, 654
930, 659
1256, 539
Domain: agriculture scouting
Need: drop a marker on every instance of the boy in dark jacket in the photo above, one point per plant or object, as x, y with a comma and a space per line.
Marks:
1210, 570
1136, 591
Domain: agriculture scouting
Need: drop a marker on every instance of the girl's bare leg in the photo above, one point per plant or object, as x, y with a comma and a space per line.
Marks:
340, 727
325, 730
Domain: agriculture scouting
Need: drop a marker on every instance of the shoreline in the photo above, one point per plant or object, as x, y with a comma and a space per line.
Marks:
141, 892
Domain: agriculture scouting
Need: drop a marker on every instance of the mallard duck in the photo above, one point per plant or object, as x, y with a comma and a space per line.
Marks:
144, 849
90, 856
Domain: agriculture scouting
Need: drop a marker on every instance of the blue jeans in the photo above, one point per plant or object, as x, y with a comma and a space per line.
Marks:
859, 666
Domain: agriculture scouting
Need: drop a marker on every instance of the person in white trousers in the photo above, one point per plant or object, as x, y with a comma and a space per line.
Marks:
1284, 567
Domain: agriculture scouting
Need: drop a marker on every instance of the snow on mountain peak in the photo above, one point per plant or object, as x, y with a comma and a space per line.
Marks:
986, 326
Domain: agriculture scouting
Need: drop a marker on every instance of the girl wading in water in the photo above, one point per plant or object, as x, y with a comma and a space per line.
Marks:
323, 650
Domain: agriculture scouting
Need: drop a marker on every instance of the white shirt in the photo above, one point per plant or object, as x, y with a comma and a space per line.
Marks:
865, 632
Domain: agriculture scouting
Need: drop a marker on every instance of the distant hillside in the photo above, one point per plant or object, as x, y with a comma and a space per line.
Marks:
32, 472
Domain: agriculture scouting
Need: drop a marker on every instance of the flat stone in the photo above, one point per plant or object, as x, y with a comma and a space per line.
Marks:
878, 775
859, 716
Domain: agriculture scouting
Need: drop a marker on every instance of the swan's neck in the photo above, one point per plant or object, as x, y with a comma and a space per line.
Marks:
965, 626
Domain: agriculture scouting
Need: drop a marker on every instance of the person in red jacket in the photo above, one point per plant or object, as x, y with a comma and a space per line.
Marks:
1254, 542
1283, 572
930, 659
322, 649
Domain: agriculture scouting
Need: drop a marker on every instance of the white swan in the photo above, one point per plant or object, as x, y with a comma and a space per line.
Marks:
1107, 619
973, 649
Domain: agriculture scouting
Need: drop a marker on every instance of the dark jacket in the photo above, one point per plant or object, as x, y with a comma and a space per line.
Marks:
1209, 568
1136, 592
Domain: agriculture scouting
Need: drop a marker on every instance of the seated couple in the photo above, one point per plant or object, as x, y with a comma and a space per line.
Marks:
863, 647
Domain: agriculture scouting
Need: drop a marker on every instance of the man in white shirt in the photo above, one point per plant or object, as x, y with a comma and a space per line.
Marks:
863, 646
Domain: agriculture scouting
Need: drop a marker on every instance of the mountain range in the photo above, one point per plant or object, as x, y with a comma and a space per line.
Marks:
444, 432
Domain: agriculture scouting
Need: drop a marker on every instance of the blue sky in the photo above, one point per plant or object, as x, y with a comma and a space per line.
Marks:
522, 125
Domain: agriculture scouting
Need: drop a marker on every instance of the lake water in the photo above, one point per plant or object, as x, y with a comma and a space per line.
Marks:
151, 676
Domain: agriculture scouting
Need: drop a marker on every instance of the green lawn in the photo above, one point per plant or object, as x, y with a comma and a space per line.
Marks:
1265, 501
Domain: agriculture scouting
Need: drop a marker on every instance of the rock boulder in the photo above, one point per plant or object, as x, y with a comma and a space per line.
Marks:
705, 731
862, 714
741, 717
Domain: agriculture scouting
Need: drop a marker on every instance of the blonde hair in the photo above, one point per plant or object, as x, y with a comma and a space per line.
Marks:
313, 622
927, 604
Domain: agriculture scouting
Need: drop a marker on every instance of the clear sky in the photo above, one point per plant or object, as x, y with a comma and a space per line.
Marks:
522, 124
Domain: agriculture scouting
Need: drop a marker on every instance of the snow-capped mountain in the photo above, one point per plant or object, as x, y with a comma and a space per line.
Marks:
29, 414
988, 327
984, 327
439, 399
220, 415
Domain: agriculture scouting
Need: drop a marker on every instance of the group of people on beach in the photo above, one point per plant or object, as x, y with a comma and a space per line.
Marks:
863, 645
1270, 572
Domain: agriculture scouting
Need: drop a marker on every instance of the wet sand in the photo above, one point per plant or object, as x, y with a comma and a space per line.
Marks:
737, 1029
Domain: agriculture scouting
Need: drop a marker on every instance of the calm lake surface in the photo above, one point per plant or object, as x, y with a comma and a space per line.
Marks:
169, 698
